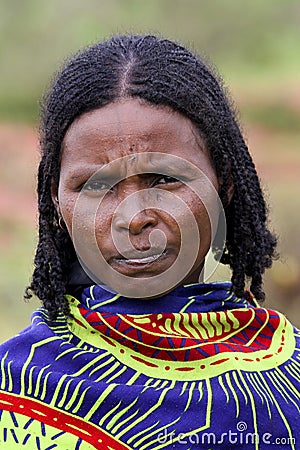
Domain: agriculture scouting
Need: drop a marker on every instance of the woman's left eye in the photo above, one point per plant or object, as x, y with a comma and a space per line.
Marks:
165, 179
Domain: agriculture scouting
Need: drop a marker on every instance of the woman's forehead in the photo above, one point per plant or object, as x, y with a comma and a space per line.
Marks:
125, 116
130, 126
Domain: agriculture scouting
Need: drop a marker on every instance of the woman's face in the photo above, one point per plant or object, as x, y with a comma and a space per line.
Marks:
130, 191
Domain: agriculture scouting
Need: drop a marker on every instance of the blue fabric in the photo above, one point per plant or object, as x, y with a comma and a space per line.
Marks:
199, 298
195, 369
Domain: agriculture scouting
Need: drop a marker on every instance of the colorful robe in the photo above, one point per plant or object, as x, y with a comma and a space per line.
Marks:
195, 369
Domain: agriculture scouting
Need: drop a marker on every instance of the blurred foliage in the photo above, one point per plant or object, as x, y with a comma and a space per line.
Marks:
254, 44
250, 40
274, 115
17, 242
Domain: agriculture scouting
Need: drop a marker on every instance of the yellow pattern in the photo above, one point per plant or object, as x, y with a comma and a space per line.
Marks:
194, 370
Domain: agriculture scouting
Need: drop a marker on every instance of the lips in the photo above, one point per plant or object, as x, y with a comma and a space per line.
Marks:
147, 259
142, 260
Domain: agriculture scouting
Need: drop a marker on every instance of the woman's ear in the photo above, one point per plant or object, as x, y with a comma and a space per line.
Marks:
54, 195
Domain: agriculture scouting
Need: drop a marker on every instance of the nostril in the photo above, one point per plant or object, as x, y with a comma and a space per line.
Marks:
140, 221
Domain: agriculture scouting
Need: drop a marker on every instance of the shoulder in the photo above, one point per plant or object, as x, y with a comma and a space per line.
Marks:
18, 343
31, 340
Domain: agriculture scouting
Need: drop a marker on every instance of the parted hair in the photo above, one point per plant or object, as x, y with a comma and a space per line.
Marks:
160, 72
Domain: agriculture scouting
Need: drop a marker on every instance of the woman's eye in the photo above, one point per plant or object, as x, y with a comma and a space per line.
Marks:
96, 185
164, 179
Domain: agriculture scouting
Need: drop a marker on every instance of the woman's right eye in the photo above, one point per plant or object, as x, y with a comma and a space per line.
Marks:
96, 186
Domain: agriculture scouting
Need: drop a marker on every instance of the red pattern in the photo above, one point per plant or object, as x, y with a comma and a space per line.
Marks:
60, 420
150, 341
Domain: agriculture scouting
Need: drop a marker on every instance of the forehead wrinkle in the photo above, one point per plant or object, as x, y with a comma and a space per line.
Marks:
108, 143
149, 162
158, 135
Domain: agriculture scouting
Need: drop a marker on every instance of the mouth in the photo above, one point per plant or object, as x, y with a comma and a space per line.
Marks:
148, 261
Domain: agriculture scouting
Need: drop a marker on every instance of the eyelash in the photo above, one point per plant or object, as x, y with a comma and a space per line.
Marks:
89, 186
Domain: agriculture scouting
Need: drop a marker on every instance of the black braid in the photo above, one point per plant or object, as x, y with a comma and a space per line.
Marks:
162, 73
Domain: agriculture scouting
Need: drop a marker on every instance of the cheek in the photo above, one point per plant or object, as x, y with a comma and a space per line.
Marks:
102, 227
85, 217
203, 214
66, 208
98, 222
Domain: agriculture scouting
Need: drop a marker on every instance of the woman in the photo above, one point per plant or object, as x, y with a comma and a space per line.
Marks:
143, 170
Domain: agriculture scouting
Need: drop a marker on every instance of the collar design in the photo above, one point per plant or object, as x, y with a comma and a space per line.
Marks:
198, 297
198, 345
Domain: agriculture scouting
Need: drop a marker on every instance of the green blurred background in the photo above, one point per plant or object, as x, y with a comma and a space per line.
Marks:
254, 44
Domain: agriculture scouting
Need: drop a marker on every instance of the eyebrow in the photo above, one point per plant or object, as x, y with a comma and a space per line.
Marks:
78, 174
181, 165
180, 169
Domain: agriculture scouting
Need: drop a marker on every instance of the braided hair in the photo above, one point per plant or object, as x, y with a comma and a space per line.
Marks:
162, 73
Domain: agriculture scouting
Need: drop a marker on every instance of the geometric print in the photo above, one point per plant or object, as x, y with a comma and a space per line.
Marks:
114, 381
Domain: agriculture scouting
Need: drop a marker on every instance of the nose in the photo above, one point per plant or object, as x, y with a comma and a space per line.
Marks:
136, 223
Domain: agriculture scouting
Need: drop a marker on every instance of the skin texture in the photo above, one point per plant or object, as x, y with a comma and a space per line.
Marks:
136, 131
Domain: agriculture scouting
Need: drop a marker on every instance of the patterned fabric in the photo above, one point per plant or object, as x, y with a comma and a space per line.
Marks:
195, 369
